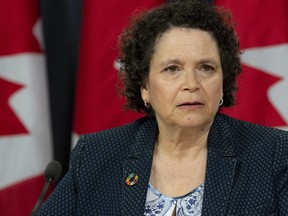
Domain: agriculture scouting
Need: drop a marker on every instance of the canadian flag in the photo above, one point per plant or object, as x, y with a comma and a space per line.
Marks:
262, 27
25, 139
98, 106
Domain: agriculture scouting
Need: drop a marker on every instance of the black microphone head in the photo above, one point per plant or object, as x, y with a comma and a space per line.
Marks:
53, 171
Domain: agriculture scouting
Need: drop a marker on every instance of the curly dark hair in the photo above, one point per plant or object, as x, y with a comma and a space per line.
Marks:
137, 44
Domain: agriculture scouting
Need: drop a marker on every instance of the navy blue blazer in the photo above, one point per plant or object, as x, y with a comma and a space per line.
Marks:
247, 171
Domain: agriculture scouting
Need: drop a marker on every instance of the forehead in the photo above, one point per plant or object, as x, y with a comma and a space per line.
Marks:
177, 34
186, 41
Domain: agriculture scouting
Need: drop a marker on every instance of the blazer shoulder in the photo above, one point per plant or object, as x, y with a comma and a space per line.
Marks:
126, 131
114, 139
253, 130
249, 137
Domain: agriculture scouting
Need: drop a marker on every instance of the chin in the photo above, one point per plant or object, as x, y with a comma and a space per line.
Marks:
196, 122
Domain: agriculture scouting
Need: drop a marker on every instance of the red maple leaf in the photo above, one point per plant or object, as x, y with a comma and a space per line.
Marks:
252, 102
10, 123
257, 28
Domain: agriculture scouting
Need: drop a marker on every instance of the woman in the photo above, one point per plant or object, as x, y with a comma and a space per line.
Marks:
179, 65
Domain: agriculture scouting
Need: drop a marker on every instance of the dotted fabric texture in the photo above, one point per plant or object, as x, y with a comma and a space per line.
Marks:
247, 171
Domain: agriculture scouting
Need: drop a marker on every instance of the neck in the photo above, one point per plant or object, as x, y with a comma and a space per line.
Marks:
181, 147
180, 142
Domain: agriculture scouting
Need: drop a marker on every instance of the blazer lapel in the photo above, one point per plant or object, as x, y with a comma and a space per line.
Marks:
138, 165
220, 169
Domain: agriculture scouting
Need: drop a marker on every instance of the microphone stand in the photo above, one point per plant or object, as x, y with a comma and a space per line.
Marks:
42, 195
52, 173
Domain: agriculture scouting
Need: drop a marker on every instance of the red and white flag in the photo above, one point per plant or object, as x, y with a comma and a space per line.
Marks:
263, 87
25, 139
98, 106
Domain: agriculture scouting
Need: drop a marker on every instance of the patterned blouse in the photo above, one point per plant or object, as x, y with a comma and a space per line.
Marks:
158, 204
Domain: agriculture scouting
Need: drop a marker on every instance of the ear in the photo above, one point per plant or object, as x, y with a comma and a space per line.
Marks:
145, 92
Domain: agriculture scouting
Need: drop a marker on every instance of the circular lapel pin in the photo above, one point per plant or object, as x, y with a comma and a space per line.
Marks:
131, 179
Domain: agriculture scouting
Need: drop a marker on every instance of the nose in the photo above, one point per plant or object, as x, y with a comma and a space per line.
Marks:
190, 81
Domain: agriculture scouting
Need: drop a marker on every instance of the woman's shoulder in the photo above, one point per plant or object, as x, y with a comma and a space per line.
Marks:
118, 137
112, 144
241, 126
123, 131
247, 136
252, 142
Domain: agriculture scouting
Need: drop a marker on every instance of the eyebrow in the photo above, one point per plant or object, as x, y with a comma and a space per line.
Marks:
178, 61
169, 61
209, 60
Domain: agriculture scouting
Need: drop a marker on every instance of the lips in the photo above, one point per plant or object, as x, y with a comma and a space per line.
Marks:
195, 103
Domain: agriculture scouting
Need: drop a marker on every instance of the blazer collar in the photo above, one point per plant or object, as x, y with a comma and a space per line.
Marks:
138, 163
220, 139
220, 169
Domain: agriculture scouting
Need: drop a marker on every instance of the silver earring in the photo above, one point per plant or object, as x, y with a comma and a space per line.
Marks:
147, 104
221, 102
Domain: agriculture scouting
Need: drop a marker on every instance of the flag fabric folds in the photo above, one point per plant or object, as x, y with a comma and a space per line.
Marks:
98, 106
25, 139
263, 87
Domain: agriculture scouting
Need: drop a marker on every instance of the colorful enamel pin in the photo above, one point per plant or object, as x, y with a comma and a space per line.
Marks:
132, 179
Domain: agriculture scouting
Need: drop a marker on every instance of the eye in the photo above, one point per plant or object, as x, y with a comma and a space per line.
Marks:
172, 69
207, 68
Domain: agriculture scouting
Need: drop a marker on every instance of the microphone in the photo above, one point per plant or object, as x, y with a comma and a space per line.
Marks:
51, 174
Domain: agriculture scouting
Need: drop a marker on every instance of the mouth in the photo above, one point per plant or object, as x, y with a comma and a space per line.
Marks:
189, 104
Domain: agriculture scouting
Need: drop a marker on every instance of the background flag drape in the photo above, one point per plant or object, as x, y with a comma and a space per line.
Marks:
97, 105
263, 87
25, 139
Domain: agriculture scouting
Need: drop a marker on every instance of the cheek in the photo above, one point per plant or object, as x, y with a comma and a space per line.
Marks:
216, 89
155, 93
160, 93
219, 90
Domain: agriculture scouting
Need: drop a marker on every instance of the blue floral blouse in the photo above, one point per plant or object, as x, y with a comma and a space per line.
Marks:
158, 204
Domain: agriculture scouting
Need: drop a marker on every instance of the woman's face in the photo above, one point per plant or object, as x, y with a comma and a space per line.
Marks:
184, 84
